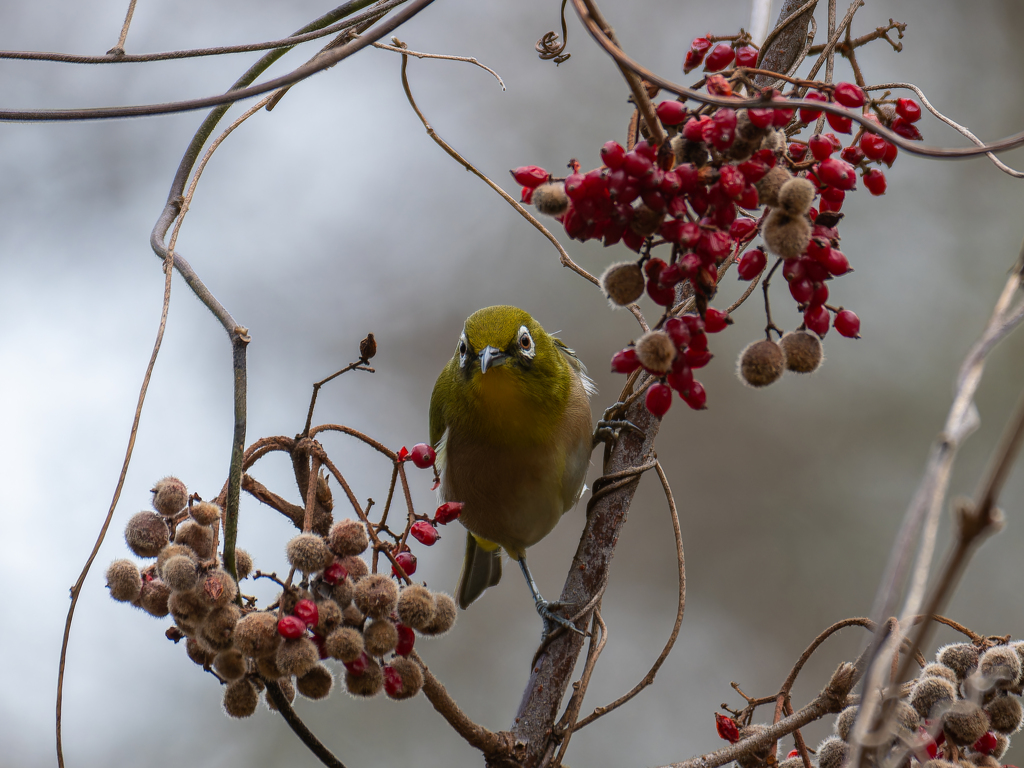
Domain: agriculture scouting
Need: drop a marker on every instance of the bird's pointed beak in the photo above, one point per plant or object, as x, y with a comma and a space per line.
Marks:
491, 358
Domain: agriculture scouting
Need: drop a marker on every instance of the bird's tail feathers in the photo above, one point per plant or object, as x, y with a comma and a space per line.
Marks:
480, 570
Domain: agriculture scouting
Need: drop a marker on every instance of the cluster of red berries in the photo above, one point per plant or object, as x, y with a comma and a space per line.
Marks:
960, 713
699, 194
424, 530
339, 610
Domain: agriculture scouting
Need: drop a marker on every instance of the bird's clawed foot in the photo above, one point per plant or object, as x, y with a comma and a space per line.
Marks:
552, 620
610, 428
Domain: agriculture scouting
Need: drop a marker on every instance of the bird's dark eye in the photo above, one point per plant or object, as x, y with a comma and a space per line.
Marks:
462, 347
525, 342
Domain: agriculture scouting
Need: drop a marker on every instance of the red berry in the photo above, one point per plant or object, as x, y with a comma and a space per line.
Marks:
422, 455
671, 112
810, 115
612, 154
818, 249
448, 511
761, 117
837, 173
751, 264
723, 128
909, 110
873, 146
727, 728
632, 240
645, 149
746, 56
719, 58
392, 681
836, 262
742, 228
696, 358
756, 168
693, 130
801, 290
852, 154
406, 640
986, 743
662, 295
820, 294
797, 152
359, 666
874, 180
334, 573
680, 380
408, 562
308, 612
817, 319
321, 646
732, 180
833, 195
848, 324
695, 396
698, 48
841, 123
530, 175
890, 154
636, 165
749, 199
849, 95
906, 129
659, 398
424, 533
820, 147
715, 321
403, 454
526, 195
291, 627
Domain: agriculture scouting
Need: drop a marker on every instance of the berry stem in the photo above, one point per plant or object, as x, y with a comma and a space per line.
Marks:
767, 303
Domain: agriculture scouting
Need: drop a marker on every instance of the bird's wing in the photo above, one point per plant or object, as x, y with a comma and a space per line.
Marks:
438, 422
577, 365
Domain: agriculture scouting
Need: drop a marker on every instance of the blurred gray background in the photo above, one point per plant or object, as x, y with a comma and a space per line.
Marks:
336, 215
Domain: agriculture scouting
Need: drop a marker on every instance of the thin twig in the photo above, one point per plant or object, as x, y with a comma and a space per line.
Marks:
398, 48
567, 724
118, 50
323, 754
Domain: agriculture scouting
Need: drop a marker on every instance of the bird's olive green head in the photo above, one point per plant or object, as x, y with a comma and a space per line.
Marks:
505, 337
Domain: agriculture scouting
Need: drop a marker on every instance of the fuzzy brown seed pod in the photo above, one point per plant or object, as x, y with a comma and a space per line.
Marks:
153, 597
906, 717
939, 670
550, 199
376, 595
256, 633
416, 606
785, 235
645, 221
218, 628
444, 615
341, 593
197, 653
757, 757
686, 151
352, 616
1002, 744
198, 538
412, 677
172, 550
324, 497
180, 573
768, 187
984, 761
367, 684
348, 537
1000, 666
297, 657
169, 496
267, 667
229, 664
803, 351
285, 684
623, 283
748, 138
791, 762
775, 140
187, 611
962, 658
942, 764
243, 563
345, 644
832, 752
330, 617
240, 698
316, 684
146, 534
1005, 714
796, 196
761, 363
844, 722
289, 597
380, 637
932, 695
308, 553
356, 567
205, 513
124, 581
656, 351
965, 722
216, 589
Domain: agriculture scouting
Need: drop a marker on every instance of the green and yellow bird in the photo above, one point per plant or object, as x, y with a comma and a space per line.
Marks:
510, 420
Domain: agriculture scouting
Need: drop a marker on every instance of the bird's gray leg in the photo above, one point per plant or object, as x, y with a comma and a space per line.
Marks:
544, 607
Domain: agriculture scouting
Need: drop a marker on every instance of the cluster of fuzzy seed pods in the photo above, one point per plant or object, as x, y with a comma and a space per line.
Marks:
336, 610
699, 196
960, 712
